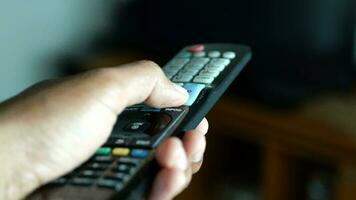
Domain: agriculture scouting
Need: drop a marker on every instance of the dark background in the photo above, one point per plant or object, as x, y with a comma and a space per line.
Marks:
301, 48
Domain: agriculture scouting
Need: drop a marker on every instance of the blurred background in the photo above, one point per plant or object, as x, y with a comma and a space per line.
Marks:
289, 129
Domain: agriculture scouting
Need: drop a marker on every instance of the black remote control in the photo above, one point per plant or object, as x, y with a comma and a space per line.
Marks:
125, 167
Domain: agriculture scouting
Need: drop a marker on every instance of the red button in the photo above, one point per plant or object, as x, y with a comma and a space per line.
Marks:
197, 48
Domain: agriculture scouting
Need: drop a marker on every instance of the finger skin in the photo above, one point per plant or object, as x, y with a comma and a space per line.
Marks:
168, 183
196, 166
194, 143
203, 126
171, 154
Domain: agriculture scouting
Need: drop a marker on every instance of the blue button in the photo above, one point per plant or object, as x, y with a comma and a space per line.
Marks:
193, 90
149, 109
139, 153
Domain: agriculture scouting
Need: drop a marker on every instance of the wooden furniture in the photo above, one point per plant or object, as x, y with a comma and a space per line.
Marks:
322, 131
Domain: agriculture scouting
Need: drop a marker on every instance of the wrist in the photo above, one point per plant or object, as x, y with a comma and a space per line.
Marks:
17, 175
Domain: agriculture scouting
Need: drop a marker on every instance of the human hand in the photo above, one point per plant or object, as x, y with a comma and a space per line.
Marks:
54, 126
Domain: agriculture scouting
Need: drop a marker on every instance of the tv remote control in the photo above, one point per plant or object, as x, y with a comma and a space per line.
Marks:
125, 167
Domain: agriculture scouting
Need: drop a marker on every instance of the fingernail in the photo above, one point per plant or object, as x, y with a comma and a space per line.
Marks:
181, 161
180, 89
198, 156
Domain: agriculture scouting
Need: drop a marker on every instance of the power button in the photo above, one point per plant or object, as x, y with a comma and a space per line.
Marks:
196, 48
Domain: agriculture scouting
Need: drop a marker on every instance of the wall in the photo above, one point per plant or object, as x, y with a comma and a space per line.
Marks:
33, 34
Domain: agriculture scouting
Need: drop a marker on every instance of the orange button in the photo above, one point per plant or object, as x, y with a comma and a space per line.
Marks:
120, 151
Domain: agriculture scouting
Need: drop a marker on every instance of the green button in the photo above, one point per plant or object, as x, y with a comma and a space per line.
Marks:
103, 151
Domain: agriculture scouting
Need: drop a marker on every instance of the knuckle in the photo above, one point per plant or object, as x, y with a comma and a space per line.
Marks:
149, 63
152, 66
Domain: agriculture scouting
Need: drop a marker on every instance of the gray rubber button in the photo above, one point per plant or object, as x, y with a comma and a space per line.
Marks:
212, 74
199, 54
200, 60
214, 54
188, 71
215, 67
185, 55
182, 78
171, 68
220, 61
169, 74
179, 62
203, 79
229, 55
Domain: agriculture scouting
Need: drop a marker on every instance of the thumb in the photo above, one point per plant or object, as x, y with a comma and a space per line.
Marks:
138, 82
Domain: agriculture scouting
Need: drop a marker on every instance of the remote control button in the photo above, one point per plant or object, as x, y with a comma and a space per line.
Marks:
120, 152
214, 67
178, 62
111, 184
199, 54
118, 176
229, 55
124, 168
170, 74
192, 68
82, 181
150, 109
190, 72
96, 166
185, 55
103, 151
132, 108
59, 181
142, 143
89, 174
199, 61
129, 161
212, 74
137, 106
203, 79
193, 90
139, 153
136, 126
184, 78
103, 159
214, 54
118, 141
220, 61
196, 48
174, 109
172, 69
